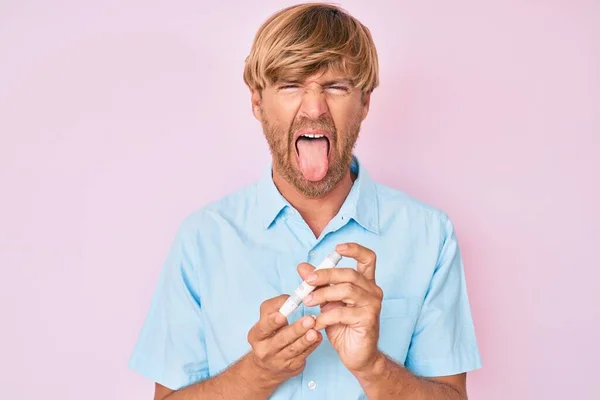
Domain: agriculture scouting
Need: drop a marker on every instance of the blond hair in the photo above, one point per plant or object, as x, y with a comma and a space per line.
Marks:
304, 39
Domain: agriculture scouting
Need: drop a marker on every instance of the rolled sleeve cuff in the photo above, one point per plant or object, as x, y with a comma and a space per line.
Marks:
456, 364
162, 375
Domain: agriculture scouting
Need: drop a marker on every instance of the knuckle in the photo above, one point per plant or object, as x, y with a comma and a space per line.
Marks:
296, 364
379, 292
260, 352
372, 255
289, 364
299, 364
292, 349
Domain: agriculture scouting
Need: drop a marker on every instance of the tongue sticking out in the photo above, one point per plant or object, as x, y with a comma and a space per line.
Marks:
312, 156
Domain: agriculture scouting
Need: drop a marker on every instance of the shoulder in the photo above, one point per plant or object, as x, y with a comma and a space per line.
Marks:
397, 201
399, 210
229, 208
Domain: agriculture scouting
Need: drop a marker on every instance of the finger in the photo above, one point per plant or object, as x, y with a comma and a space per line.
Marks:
347, 293
305, 269
329, 276
331, 306
366, 258
271, 305
303, 344
291, 333
351, 316
313, 346
268, 325
271, 320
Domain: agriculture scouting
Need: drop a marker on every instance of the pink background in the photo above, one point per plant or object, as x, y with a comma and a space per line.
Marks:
117, 120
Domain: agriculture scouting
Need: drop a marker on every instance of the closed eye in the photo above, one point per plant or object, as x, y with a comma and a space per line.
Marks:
342, 88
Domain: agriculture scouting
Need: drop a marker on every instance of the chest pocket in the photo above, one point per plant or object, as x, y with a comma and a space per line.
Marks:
397, 322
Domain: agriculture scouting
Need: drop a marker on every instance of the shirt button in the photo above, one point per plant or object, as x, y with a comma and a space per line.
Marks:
313, 253
312, 385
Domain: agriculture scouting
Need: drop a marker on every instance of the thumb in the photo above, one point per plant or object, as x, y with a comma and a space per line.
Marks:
305, 269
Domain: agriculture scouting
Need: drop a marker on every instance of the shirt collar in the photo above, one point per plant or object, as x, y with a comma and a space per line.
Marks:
270, 202
361, 203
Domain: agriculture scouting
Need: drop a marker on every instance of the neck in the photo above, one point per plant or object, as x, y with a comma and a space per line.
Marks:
316, 212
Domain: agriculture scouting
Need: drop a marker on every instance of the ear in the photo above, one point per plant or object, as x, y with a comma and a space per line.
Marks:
366, 102
256, 100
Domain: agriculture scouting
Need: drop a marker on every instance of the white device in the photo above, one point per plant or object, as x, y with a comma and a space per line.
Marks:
305, 289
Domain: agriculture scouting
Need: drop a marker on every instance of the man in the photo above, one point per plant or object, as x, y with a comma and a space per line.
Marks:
391, 322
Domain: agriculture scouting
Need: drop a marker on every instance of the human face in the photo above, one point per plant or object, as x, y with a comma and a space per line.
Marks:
325, 106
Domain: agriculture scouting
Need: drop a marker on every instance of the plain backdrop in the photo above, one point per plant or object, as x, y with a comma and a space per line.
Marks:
120, 118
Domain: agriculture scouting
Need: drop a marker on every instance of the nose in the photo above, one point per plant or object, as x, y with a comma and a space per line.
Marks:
314, 103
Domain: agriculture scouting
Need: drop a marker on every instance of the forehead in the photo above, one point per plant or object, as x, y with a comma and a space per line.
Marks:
322, 76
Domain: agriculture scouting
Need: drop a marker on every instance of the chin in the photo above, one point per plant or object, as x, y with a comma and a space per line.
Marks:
314, 189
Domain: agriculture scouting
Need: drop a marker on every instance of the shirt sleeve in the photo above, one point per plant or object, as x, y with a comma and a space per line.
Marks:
171, 349
443, 341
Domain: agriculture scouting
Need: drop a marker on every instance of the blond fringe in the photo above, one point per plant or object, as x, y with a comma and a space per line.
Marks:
301, 40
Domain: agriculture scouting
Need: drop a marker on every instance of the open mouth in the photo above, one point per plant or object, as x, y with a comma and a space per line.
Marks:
312, 140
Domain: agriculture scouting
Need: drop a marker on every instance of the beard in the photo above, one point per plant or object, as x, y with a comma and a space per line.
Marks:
284, 153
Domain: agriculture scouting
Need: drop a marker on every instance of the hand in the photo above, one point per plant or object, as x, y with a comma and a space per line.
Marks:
280, 350
350, 308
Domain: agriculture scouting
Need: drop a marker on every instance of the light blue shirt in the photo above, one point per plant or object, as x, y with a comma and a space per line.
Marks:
235, 253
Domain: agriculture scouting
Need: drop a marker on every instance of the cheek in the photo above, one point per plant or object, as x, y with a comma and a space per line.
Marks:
355, 118
279, 120
278, 110
345, 120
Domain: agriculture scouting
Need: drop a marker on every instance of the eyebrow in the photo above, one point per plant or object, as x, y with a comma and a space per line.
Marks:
337, 81
287, 81
326, 83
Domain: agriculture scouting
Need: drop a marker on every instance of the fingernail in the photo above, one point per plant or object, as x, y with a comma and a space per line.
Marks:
311, 278
311, 335
308, 322
279, 318
314, 317
342, 247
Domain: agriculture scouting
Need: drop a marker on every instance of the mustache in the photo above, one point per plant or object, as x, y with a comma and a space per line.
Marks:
325, 123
